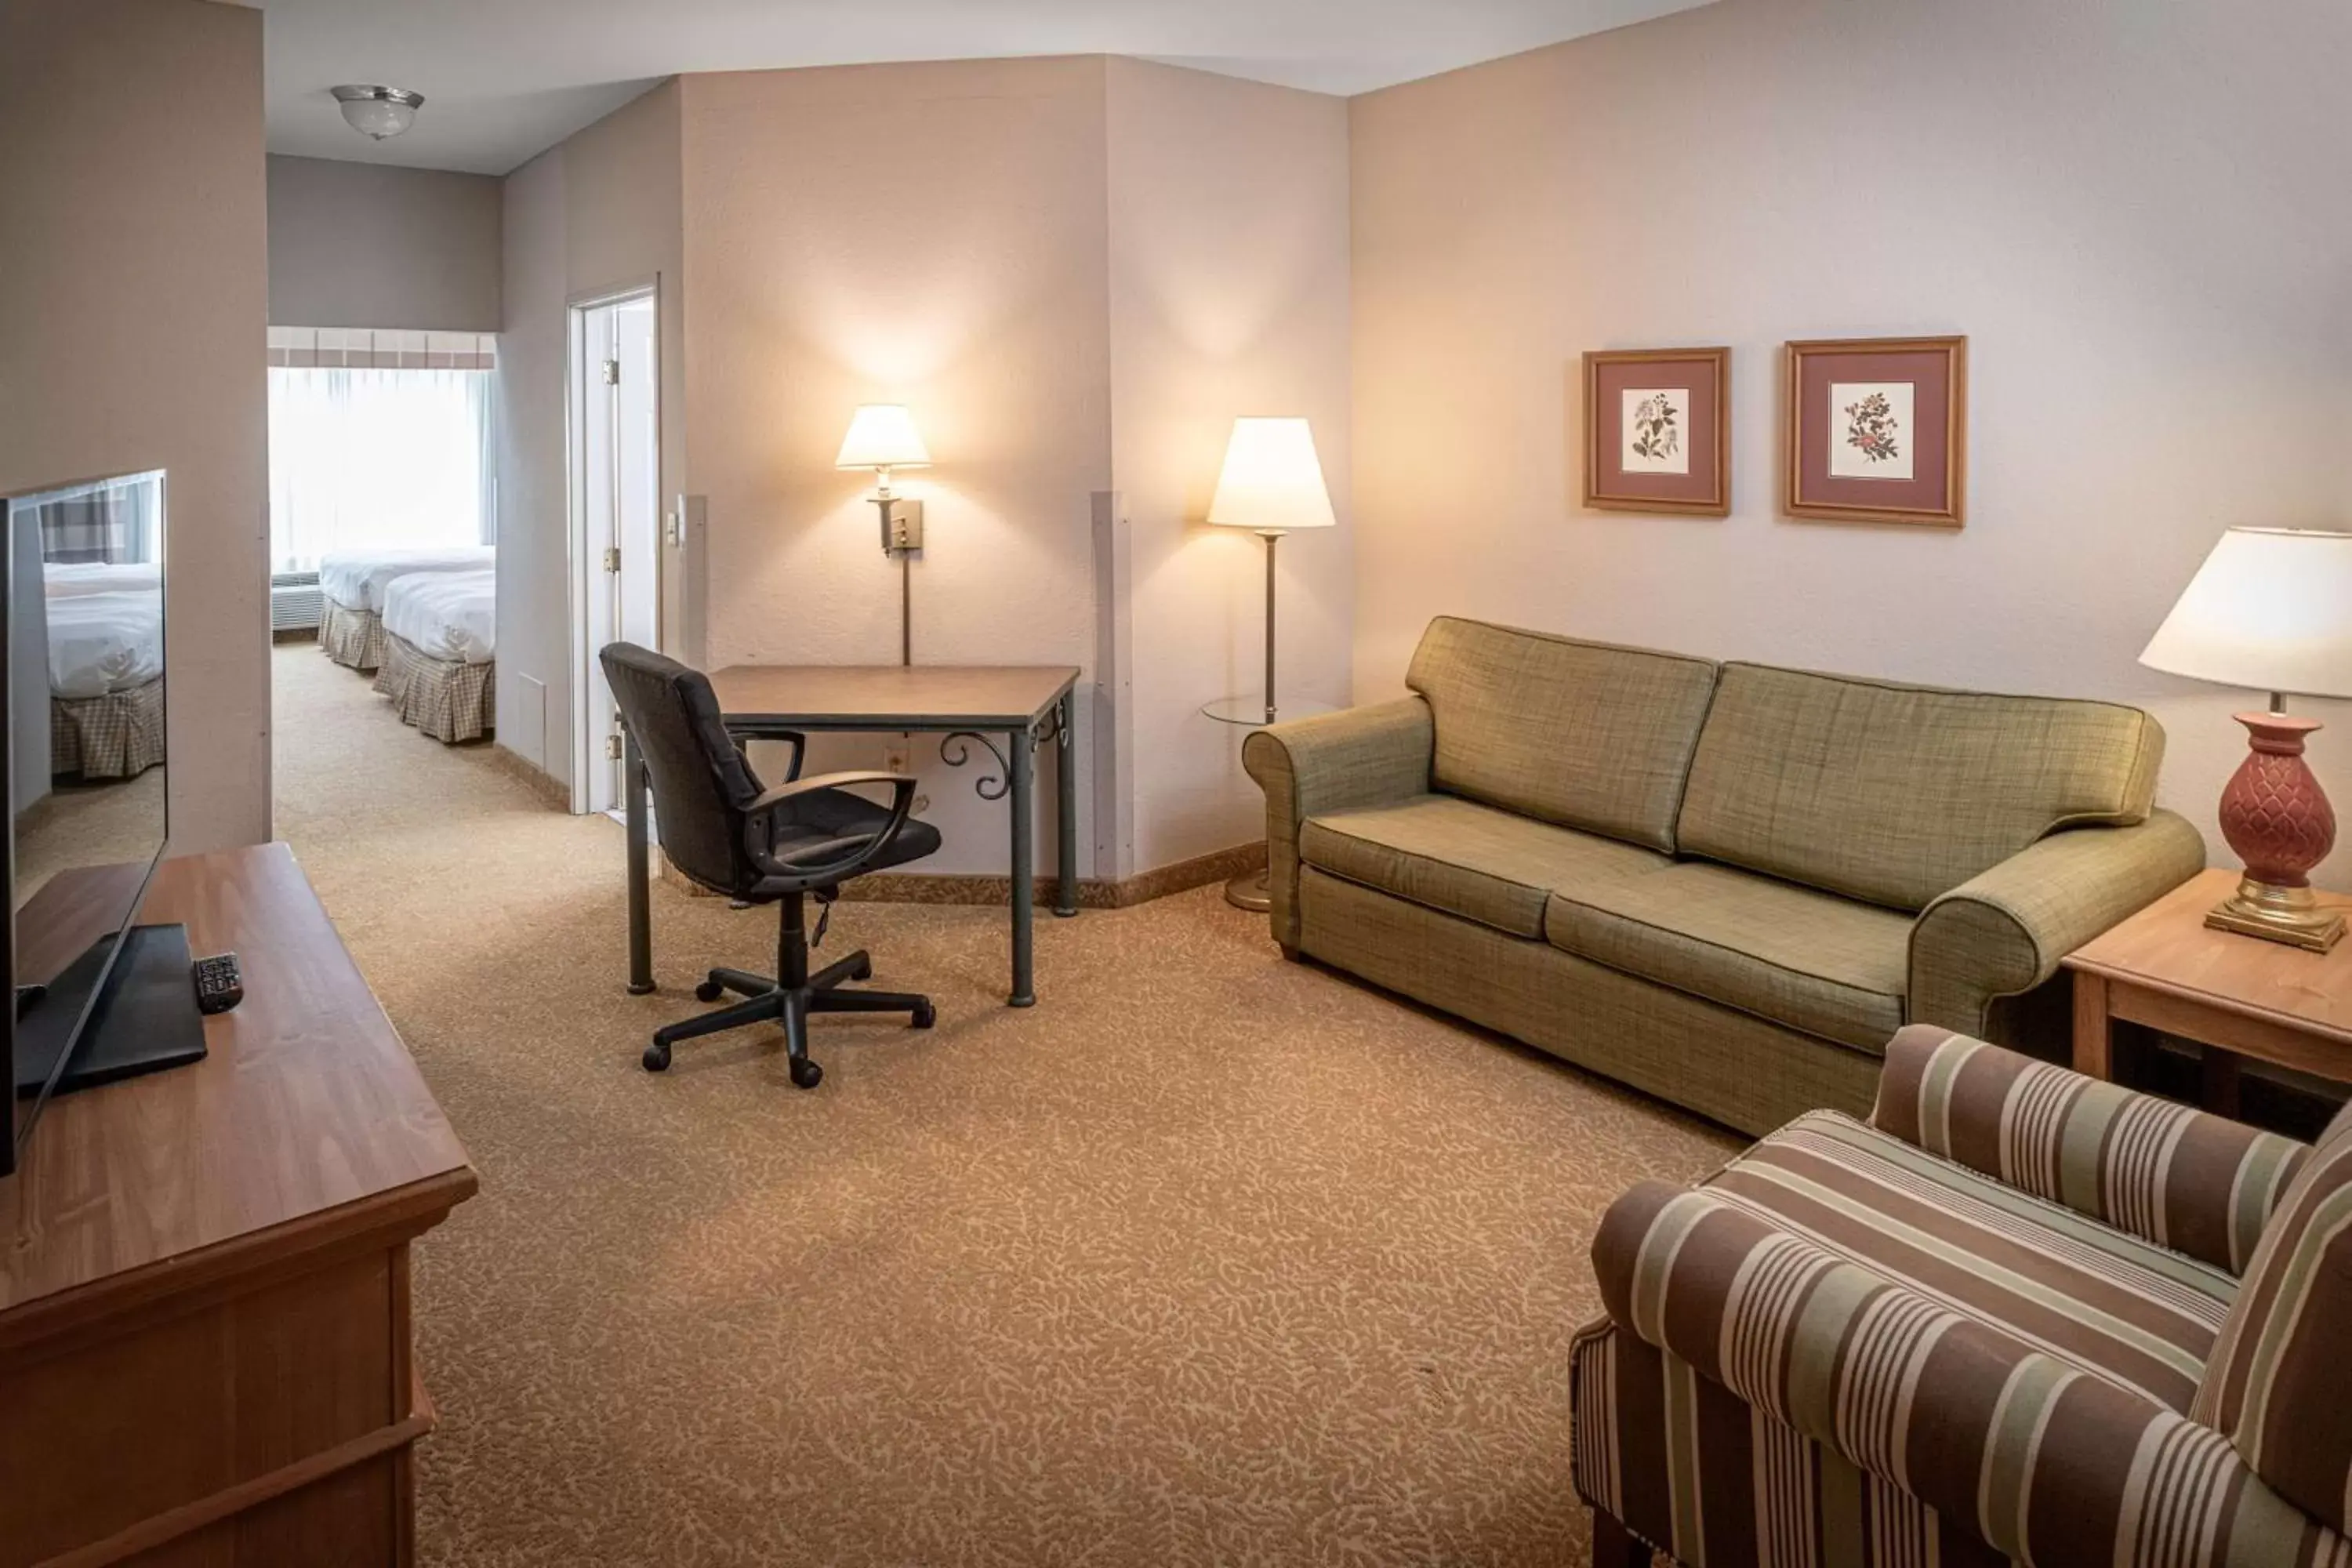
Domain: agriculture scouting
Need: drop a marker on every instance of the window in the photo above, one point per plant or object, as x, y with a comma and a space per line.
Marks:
375, 451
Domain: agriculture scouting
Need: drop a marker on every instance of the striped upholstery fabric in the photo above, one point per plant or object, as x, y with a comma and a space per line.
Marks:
2080, 1292
2276, 1383
2197, 1183
1806, 1407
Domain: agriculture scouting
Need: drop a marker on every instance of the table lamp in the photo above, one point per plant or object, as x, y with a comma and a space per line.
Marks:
2271, 610
882, 436
1272, 483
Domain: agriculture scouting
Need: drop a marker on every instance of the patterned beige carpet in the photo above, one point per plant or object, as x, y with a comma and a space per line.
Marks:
1209, 1259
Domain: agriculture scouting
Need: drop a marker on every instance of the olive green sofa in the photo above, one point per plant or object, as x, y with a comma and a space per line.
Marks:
1727, 885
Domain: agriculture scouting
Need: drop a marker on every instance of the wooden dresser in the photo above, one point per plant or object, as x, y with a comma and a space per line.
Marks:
204, 1344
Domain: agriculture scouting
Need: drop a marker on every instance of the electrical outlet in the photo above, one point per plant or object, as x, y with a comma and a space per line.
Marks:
923, 803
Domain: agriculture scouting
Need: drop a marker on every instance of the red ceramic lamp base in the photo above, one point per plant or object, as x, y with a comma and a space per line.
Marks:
2277, 818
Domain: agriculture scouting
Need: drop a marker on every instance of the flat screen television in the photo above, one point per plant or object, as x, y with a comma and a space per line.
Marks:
96, 996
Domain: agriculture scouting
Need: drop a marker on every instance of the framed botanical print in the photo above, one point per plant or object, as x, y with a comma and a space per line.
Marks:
1657, 430
1878, 430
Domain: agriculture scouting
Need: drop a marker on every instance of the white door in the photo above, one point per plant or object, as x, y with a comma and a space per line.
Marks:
620, 514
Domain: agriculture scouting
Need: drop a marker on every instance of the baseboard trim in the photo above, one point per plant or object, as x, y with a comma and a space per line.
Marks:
917, 888
551, 790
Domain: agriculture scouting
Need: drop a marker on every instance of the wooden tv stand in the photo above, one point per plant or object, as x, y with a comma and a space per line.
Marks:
205, 1349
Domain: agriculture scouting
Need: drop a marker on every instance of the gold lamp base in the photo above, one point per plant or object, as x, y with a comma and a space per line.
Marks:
1249, 891
2289, 915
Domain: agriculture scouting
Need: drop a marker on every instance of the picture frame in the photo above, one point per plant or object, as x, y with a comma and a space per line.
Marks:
1877, 430
1657, 431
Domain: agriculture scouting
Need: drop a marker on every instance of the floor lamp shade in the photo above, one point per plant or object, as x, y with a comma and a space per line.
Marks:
2271, 610
1272, 481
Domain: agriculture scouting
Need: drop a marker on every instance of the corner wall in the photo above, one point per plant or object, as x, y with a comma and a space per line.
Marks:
2130, 211
597, 213
133, 335
1229, 296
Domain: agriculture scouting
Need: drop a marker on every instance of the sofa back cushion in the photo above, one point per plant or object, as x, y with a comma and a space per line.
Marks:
1897, 793
2275, 1385
1584, 734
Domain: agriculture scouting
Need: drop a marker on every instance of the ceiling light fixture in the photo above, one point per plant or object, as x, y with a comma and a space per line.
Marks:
378, 113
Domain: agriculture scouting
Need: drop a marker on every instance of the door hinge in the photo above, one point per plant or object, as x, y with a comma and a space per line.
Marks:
612, 373
613, 747
613, 558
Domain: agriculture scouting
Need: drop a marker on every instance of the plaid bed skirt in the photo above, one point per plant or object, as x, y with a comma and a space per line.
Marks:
448, 699
117, 736
352, 637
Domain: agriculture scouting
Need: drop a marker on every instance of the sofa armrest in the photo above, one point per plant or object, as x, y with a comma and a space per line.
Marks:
1365, 756
2002, 932
2052, 1466
2200, 1184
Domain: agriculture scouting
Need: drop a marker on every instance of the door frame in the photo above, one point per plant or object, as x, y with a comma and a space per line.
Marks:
577, 309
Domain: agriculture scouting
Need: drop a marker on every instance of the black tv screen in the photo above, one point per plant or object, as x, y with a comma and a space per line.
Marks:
83, 692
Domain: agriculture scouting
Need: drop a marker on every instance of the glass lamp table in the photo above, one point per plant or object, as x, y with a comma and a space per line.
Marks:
1248, 891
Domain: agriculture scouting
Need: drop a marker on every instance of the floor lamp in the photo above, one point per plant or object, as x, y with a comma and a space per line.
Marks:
1271, 484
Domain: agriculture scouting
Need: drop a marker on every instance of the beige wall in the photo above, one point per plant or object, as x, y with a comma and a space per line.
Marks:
598, 213
368, 245
132, 335
930, 234
1228, 214
2134, 212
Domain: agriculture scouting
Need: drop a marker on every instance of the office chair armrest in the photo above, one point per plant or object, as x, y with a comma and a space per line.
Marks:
743, 733
756, 826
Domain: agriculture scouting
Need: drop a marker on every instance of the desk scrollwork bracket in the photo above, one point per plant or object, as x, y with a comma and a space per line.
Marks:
955, 750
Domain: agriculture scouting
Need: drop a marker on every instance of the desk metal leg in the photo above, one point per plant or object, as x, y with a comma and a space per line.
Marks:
1025, 871
1066, 805
641, 930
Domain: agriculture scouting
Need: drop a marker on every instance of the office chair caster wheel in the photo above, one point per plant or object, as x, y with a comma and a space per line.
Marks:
709, 991
865, 969
806, 1074
657, 1058
926, 1015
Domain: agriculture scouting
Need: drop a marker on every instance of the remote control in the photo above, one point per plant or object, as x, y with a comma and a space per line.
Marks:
219, 986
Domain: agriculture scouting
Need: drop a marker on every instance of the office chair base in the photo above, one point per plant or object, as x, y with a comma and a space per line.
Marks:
764, 999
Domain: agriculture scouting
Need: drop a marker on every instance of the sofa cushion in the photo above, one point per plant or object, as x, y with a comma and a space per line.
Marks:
1493, 867
2275, 1384
1814, 962
2058, 1281
1578, 733
1897, 793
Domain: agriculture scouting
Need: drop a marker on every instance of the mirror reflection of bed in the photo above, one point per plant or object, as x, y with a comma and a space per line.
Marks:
86, 674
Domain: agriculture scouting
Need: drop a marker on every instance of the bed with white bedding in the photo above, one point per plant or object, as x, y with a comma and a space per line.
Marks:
439, 647
352, 588
106, 679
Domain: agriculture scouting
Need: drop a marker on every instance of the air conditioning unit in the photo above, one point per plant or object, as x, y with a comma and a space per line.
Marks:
294, 602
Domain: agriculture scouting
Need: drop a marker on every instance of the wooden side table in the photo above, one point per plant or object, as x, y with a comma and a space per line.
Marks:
2240, 997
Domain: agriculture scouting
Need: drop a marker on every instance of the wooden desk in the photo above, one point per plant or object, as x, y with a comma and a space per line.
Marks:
964, 705
2238, 994
203, 1297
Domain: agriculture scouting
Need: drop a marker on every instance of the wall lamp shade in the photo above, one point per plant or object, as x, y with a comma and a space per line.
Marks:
882, 436
380, 112
1272, 479
2271, 610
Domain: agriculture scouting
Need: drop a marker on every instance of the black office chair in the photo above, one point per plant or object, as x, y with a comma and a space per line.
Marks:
732, 835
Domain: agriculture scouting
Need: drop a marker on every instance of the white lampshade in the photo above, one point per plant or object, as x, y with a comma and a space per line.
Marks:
1272, 481
2271, 610
882, 436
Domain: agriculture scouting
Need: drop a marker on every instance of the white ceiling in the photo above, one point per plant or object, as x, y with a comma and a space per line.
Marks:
504, 79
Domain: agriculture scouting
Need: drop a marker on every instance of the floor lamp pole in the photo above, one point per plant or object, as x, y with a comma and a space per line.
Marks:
1272, 536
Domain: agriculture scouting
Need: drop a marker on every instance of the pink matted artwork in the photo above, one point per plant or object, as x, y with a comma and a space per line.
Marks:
1657, 430
1878, 430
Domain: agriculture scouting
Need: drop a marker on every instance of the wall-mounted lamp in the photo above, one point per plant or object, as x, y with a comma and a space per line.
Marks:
882, 436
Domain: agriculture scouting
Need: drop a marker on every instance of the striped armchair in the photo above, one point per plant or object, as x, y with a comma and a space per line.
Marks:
2018, 1316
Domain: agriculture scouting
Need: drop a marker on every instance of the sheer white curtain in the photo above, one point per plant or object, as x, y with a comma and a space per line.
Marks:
376, 458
